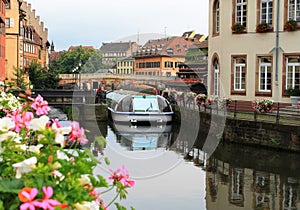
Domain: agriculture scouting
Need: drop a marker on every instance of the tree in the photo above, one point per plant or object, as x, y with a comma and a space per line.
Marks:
94, 63
69, 61
19, 80
41, 77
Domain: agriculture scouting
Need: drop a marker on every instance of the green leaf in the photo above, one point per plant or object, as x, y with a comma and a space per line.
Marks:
107, 161
102, 181
11, 185
119, 207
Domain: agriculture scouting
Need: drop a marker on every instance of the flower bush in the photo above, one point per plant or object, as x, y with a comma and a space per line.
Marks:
262, 105
238, 28
290, 25
200, 99
43, 165
224, 103
263, 27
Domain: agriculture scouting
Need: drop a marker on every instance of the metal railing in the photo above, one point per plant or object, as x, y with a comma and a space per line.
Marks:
281, 113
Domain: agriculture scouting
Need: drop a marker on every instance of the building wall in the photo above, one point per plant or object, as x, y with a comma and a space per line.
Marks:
125, 67
38, 25
161, 70
2, 40
12, 39
251, 44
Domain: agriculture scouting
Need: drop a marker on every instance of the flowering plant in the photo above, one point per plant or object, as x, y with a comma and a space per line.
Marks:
43, 165
201, 99
238, 28
263, 27
224, 103
290, 25
262, 105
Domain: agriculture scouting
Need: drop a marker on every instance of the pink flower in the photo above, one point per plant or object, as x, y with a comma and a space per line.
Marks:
47, 203
27, 195
121, 175
22, 120
40, 105
77, 133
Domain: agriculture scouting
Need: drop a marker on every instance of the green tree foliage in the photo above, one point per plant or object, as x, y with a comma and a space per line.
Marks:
69, 61
42, 78
94, 63
19, 79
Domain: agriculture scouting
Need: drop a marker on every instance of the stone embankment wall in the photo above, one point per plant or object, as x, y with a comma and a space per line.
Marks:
261, 134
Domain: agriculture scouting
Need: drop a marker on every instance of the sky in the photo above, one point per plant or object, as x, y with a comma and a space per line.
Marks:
92, 22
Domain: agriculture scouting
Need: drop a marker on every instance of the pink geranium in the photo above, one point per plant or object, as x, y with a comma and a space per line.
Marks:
121, 175
46, 202
40, 105
27, 196
22, 120
77, 133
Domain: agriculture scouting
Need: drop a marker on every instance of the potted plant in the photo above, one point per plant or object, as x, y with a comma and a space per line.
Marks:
263, 27
290, 25
238, 28
262, 105
294, 94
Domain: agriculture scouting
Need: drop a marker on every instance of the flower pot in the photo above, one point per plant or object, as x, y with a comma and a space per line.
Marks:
294, 100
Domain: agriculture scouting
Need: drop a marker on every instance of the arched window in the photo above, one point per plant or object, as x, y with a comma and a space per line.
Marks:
216, 77
216, 17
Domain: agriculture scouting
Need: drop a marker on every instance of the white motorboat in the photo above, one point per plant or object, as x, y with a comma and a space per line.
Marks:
137, 107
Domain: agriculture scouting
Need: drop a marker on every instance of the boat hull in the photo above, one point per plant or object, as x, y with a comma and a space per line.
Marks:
138, 118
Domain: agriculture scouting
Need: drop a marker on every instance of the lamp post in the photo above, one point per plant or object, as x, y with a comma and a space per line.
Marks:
79, 75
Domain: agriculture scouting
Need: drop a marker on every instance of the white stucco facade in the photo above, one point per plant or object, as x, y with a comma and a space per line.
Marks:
225, 46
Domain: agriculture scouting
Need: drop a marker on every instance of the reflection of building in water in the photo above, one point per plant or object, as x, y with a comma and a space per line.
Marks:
236, 187
230, 188
289, 194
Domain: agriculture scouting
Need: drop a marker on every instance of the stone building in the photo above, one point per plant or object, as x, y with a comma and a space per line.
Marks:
161, 57
26, 38
125, 66
253, 52
3, 5
114, 51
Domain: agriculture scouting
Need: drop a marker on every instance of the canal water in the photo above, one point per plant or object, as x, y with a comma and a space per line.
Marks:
174, 173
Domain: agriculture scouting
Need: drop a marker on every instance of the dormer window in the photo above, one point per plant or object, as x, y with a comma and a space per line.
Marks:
170, 51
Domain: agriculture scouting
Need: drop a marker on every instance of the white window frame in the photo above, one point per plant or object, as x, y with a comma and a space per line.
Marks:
238, 69
263, 67
216, 78
293, 65
239, 6
217, 17
269, 5
292, 13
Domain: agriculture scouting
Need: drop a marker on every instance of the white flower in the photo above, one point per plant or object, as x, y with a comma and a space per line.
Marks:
6, 123
59, 133
39, 124
84, 179
61, 155
10, 135
58, 175
87, 206
33, 148
25, 166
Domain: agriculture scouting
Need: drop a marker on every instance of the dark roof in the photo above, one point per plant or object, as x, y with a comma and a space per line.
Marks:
116, 46
130, 58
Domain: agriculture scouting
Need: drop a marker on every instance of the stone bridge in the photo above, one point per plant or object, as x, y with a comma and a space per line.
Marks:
92, 80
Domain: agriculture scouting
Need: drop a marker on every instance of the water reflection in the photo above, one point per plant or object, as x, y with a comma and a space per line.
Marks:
142, 137
237, 176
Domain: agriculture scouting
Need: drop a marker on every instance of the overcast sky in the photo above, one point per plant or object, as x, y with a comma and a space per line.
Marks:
91, 22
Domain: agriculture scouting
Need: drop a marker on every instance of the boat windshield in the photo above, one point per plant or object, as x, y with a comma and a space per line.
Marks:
145, 104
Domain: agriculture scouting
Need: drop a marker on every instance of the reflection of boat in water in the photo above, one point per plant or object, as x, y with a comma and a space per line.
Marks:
143, 137
137, 107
